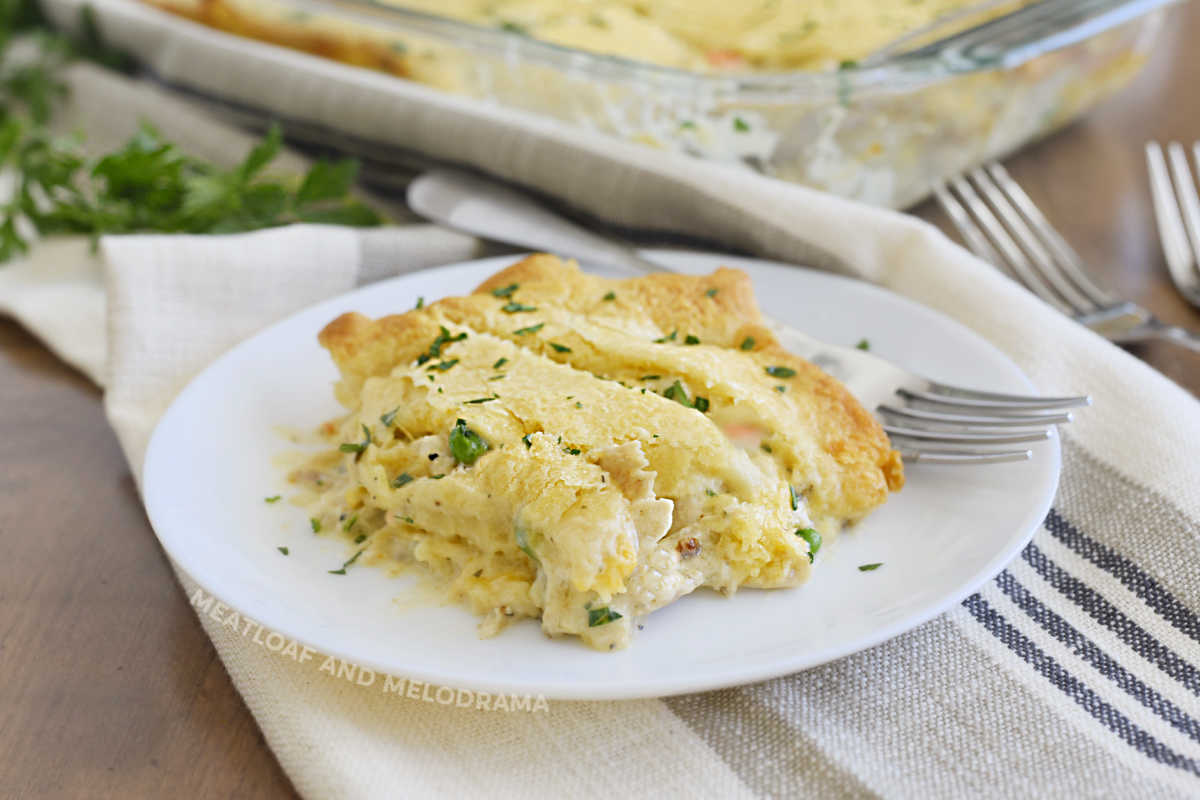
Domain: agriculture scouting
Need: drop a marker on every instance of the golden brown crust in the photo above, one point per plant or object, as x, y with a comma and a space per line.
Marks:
727, 317
334, 40
859, 468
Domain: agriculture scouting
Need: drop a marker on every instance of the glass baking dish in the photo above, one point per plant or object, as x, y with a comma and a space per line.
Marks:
883, 131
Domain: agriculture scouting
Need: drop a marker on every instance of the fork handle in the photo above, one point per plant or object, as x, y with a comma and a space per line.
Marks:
1176, 334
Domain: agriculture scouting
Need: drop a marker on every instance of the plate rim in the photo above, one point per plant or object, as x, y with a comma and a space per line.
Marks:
661, 687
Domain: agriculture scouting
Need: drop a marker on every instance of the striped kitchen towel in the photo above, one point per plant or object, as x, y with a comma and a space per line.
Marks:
1074, 673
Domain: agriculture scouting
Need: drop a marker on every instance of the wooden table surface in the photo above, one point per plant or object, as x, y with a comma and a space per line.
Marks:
108, 685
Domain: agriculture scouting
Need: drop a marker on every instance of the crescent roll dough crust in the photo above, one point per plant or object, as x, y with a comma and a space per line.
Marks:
633, 440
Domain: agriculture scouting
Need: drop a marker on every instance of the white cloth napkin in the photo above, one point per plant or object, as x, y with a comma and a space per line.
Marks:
1075, 673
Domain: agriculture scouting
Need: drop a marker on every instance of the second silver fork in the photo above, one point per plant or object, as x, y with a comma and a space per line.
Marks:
1001, 225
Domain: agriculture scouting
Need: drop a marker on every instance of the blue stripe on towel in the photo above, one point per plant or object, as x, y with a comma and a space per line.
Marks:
1131, 576
1138, 638
1074, 688
1089, 651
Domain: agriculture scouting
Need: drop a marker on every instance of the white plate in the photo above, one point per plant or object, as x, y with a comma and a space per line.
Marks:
212, 460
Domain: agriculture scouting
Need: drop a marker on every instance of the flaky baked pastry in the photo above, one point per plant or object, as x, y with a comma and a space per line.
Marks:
584, 451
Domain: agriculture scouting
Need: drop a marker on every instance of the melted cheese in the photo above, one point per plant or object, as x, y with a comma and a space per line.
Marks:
607, 489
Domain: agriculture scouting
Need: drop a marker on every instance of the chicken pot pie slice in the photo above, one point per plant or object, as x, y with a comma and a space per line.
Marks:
584, 451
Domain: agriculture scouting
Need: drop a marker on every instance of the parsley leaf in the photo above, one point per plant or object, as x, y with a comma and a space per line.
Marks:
602, 616
813, 538
505, 291
465, 444
780, 372
530, 329
353, 558
870, 567
357, 447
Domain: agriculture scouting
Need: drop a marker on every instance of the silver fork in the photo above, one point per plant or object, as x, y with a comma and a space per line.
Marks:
1002, 225
929, 421
1180, 236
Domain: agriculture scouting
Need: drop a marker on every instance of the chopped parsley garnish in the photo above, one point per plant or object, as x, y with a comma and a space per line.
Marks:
284, 550
315, 523
496, 377
572, 451
362, 537
530, 329
442, 366
390, 417
847, 64
348, 524
689, 339
403, 479
408, 520
466, 445
347, 563
870, 567
514, 27
578, 404
610, 296
523, 544
669, 338
780, 388
792, 495
649, 377
677, 393
505, 291
781, 372
766, 448
601, 616
712, 292
527, 441
560, 348
813, 538
687, 125
500, 362
272, 499
479, 400
420, 303
437, 477
514, 307
710, 493
435, 348
747, 343
740, 125
863, 344
357, 447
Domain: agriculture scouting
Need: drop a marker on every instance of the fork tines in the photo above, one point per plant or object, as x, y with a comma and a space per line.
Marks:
950, 425
1178, 214
1008, 229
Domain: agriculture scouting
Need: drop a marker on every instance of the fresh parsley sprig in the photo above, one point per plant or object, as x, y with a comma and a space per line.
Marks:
147, 185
